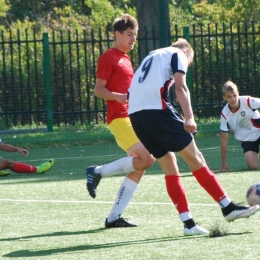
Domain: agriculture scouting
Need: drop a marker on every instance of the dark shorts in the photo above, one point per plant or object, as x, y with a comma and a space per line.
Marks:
160, 131
251, 146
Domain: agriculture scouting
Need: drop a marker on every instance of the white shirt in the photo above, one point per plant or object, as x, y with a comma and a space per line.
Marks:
154, 77
245, 122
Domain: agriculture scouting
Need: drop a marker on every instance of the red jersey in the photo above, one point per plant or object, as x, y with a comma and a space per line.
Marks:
115, 67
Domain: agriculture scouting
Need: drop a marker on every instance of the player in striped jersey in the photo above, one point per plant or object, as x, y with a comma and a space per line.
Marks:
163, 131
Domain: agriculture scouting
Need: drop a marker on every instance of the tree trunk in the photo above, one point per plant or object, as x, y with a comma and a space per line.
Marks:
154, 25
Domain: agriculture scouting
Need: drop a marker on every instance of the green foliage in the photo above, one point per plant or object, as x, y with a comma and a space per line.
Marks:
73, 14
21, 67
72, 68
83, 14
65, 14
222, 52
4, 7
223, 11
181, 12
213, 11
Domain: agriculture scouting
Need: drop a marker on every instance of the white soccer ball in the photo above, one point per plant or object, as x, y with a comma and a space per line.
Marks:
253, 194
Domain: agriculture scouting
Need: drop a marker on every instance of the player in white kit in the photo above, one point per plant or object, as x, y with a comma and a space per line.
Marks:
241, 116
163, 131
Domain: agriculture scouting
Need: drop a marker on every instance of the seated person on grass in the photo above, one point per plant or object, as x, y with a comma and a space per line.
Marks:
19, 167
241, 116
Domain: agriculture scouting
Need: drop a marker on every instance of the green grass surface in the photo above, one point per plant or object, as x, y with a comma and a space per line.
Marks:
51, 216
81, 134
71, 135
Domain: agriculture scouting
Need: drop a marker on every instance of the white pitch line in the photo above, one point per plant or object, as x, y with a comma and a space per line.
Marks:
99, 202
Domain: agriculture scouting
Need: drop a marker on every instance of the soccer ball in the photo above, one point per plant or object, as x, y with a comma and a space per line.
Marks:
253, 194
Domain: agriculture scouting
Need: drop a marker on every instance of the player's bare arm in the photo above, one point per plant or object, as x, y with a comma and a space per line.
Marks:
10, 148
102, 92
183, 96
223, 149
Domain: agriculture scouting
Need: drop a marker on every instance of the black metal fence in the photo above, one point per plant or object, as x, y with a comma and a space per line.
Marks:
47, 80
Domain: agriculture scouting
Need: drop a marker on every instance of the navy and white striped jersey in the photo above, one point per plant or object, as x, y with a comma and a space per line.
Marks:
154, 77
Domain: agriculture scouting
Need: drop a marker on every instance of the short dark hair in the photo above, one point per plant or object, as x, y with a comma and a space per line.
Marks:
124, 22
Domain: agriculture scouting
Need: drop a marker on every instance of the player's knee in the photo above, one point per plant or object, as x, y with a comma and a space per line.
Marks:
151, 161
252, 166
8, 164
148, 162
252, 163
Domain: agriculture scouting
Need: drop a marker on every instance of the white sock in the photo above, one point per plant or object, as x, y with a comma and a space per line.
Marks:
124, 196
185, 216
225, 202
123, 165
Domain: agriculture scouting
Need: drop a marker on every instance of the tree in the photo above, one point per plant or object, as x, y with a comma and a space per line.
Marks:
64, 14
3, 8
154, 25
223, 11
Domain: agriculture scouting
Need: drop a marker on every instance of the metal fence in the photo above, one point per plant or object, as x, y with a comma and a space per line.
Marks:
47, 80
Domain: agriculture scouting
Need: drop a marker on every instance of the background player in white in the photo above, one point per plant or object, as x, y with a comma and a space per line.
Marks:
241, 116
162, 130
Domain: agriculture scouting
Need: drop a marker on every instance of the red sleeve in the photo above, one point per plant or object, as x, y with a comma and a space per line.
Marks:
105, 66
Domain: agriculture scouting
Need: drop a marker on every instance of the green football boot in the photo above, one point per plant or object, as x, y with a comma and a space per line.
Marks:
4, 173
44, 167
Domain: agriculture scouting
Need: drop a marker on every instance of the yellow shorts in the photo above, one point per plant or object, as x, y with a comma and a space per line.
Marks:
122, 130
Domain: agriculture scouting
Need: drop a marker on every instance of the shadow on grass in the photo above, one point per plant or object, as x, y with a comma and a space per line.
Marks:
229, 234
58, 234
46, 252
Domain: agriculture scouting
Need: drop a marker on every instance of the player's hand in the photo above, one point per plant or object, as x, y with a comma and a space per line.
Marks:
121, 98
22, 151
223, 168
190, 126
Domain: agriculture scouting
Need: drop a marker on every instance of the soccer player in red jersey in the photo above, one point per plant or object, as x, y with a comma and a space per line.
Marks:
114, 76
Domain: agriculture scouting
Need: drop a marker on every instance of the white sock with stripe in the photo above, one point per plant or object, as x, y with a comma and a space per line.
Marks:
124, 196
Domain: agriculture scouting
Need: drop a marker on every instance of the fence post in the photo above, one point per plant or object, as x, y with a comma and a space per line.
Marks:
186, 33
163, 40
47, 81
